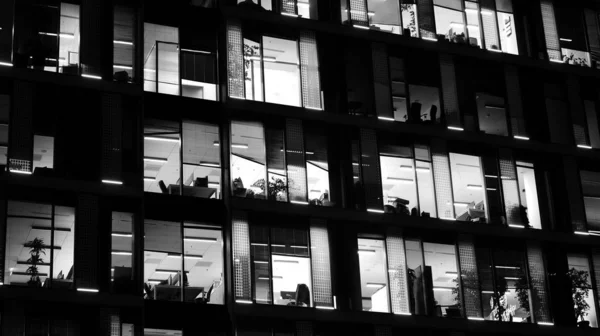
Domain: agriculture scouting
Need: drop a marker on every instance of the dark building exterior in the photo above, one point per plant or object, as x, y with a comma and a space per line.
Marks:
299, 167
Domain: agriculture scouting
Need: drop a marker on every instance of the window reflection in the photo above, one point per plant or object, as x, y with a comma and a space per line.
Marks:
590, 185
373, 275
161, 157
491, 112
124, 43
317, 167
384, 15
248, 160
201, 160
468, 188
449, 20
39, 244
529, 197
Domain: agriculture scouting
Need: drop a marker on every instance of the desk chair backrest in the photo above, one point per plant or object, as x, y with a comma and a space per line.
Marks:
302, 295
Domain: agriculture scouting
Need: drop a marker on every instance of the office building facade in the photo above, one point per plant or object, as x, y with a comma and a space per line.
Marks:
299, 167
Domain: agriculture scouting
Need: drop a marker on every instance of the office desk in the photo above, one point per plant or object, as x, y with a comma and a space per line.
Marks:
201, 192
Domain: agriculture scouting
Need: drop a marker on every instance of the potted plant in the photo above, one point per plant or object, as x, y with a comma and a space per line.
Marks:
580, 292
37, 249
276, 188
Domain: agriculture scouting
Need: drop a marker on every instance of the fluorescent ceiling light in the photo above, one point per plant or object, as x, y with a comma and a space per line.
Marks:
406, 167
310, 153
454, 128
20, 171
490, 176
583, 233
517, 226
359, 26
260, 262
263, 278
313, 108
112, 182
155, 138
201, 239
461, 203
90, 76
121, 253
545, 323
487, 12
508, 267
194, 256
216, 143
451, 273
243, 146
149, 70
259, 244
475, 318
423, 169
324, 307
556, 61
494, 107
426, 38
400, 179
150, 159
298, 246
155, 282
122, 42
244, 301
163, 271
62, 35
520, 137
594, 232
299, 202
511, 278
375, 285
364, 251
89, 290
386, 118
402, 313
474, 186
375, 210
448, 218
491, 189
277, 245
124, 67
442, 289
584, 146
281, 261
6, 64
122, 234
149, 178
566, 39
471, 10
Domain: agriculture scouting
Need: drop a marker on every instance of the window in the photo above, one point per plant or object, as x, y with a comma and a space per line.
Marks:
583, 294
530, 210
173, 68
6, 35
194, 172
293, 161
590, 186
124, 34
565, 33
491, 114
4, 124
433, 283
121, 264
505, 288
470, 203
200, 245
281, 266
54, 34
450, 20
297, 8
271, 66
39, 245
373, 275
407, 178
43, 152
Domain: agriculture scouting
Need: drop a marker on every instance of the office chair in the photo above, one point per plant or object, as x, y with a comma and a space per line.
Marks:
302, 295
201, 182
163, 187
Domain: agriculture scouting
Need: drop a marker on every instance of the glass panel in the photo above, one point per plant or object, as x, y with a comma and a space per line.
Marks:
425, 103
28, 244
162, 260
317, 167
64, 247
450, 23
418, 275
582, 291
201, 160
43, 152
491, 114
590, 184
248, 159
124, 44
203, 264
442, 279
121, 261
529, 196
69, 39
290, 257
276, 164
508, 33
592, 122
399, 187
373, 275
198, 74
410, 19
511, 302
253, 70
282, 71
468, 188
162, 157
4, 122
168, 68
473, 26
426, 189
259, 243
384, 15
397, 76
153, 34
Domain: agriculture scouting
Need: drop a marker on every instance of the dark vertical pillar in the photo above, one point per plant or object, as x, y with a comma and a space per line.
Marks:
86, 242
20, 151
96, 29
